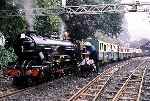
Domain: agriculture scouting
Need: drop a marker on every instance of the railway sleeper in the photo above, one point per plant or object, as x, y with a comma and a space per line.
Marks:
147, 83
147, 88
99, 83
111, 91
107, 97
124, 78
146, 95
84, 98
91, 92
126, 99
120, 84
132, 88
94, 89
130, 97
101, 80
86, 94
99, 86
134, 83
129, 93
145, 99
146, 79
148, 74
106, 76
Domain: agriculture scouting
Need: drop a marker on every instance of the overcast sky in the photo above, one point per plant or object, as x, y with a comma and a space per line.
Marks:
138, 24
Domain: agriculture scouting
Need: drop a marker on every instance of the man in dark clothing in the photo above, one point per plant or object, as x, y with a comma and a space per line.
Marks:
94, 56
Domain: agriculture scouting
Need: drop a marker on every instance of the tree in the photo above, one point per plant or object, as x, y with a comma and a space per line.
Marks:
47, 24
109, 23
42, 25
6, 56
11, 26
83, 26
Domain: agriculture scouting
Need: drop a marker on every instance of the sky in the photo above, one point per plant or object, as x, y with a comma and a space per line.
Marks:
138, 23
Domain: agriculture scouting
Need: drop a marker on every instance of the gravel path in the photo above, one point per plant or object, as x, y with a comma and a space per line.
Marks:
56, 90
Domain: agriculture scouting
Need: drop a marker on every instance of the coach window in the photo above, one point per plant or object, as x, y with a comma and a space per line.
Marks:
104, 47
100, 46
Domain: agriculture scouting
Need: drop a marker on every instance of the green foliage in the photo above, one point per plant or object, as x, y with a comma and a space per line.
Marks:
109, 23
6, 56
11, 26
44, 25
48, 3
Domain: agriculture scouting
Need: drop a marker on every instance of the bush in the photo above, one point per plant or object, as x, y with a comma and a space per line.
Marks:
6, 56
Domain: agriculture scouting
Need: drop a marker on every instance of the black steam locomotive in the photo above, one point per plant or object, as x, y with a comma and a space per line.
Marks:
40, 57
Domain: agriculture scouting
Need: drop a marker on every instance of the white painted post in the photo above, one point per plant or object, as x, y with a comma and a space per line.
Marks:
64, 3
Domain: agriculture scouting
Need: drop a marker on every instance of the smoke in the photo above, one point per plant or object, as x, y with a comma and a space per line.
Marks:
62, 29
124, 35
28, 5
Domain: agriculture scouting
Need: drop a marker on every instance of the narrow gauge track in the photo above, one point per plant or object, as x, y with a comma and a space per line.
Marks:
10, 91
131, 89
145, 92
92, 90
118, 80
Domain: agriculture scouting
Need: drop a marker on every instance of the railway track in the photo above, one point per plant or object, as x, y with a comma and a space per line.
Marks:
117, 81
10, 91
145, 92
131, 89
93, 89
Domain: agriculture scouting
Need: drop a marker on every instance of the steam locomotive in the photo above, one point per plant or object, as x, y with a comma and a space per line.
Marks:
40, 58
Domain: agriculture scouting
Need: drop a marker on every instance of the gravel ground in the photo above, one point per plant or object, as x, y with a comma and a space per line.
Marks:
5, 84
57, 90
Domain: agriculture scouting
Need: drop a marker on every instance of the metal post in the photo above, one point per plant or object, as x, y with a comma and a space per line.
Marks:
64, 3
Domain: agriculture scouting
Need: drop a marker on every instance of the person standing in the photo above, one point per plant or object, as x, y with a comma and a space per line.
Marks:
94, 56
